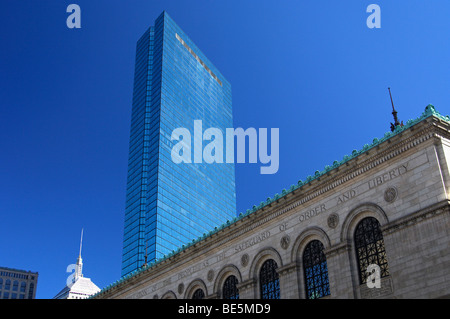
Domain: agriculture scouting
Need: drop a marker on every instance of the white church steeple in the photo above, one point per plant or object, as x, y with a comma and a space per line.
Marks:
79, 287
79, 267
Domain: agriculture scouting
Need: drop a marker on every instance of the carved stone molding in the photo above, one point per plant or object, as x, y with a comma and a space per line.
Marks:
390, 194
248, 284
337, 250
413, 219
180, 288
210, 275
333, 220
244, 260
290, 268
285, 241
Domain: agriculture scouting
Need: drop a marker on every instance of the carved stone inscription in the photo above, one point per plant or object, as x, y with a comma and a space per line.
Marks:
311, 212
189, 271
396, 172
252, 241
346, 196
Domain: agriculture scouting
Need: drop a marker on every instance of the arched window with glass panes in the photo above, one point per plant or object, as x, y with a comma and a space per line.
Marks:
315, 268
269, 280
369, 246
230, 290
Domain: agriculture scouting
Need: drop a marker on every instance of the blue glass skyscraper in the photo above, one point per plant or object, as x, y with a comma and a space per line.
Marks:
169, 204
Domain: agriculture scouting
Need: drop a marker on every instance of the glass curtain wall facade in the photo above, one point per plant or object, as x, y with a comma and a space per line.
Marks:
169, 204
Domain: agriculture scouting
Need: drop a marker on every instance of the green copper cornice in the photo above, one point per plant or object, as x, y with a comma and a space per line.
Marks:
429, 111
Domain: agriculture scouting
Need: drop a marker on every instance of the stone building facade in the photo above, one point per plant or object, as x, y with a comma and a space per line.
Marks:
386, 205
17, 284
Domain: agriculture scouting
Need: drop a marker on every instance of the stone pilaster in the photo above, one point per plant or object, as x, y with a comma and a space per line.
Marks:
247, 289
339, 271
289, 281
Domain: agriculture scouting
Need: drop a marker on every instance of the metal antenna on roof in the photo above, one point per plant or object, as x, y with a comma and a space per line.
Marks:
394, 113
145, 263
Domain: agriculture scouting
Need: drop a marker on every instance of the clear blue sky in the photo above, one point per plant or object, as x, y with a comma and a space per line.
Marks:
311, 68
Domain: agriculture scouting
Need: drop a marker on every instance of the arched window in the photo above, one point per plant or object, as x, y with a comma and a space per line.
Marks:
369, 245
230, 290
23, 286
269, 280
15, 285
7, 284
198, 294
316, 271
1, 283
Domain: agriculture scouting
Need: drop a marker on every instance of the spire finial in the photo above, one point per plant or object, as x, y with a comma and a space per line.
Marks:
81, 241
79, 267
394, 113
